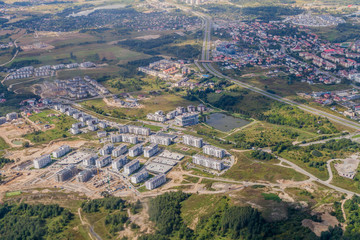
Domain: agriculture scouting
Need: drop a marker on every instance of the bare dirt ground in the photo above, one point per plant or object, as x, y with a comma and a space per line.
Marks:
10, 132
318, 227
148, 37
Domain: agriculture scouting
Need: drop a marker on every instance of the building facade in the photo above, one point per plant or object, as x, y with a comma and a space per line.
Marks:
192, 141
155, 182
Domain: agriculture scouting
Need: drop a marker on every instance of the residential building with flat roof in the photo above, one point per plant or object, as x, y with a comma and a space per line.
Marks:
192, 141
119, 162
136, 150
151, 150
208, 162
187, 119
42, 161
139, 176
214, 151
131, 167
103, 161
155, 182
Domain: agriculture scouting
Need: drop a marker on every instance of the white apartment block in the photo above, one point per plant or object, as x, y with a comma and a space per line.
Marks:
187, 119
103, 161
42, 161
130, 138
151, 150
139, 130
136, 150
139, 177
90, 161
214, 151
162, 140
74, 131
208, 162
61, 151
131, 167
116, 138
119, 150
155, 182
192, 141
84, 175
106, 150
11, 116
119, 163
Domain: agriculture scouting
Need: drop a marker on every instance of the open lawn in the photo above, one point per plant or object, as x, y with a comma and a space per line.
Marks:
81, 53
165, 102
248, 169
62, 125
197, 206
346, 183
268, 134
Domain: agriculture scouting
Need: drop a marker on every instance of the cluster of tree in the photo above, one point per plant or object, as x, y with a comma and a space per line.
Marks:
116, 221
109, 203
261, 155
352, 209
293, 116
165, 211
4, 161
226, 222
24, 63
338, 212
271, 13
317, 154
128, 85
32, 222
13, 100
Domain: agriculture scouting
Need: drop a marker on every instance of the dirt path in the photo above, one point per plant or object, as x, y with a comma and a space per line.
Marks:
93, 235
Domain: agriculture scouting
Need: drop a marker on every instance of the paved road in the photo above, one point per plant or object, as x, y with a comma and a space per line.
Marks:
206, 56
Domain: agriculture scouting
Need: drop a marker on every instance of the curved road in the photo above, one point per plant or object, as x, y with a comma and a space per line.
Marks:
206, 57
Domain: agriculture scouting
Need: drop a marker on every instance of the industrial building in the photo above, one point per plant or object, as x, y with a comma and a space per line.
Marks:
119, 163
151, 150
187, 119
214, 151
119, 150
103, 161
208, 162
136, 150
42, 161
65, 173
192, 141
61, 151
155, 182
139, 177
131, 167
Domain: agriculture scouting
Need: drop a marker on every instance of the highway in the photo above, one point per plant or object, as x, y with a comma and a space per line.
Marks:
205, 56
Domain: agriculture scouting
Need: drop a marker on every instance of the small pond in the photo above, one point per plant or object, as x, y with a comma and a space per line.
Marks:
225, 122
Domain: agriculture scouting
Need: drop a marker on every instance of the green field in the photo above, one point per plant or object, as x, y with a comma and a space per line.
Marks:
12, 194
248, 169
62, 125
